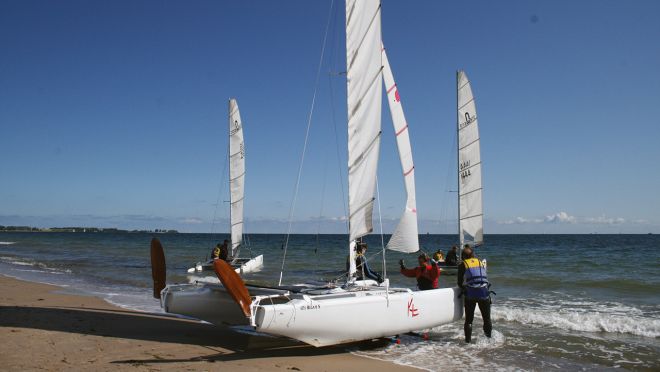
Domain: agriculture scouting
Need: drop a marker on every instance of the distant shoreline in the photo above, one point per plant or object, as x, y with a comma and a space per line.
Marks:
89, 230
82, 230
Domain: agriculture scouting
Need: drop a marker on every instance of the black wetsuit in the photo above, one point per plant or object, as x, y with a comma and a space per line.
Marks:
470, 305
362, 265
451, 259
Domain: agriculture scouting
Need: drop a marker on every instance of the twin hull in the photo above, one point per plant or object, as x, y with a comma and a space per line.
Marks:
354, 316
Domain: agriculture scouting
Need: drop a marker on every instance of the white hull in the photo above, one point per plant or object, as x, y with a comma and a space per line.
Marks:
251, 265
241, 266
208, 302
361, 315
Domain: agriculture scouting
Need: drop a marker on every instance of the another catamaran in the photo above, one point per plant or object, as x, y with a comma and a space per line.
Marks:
236, 196
470, 203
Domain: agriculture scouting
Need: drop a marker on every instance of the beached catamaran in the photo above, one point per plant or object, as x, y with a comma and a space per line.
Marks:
236, 196
358, 309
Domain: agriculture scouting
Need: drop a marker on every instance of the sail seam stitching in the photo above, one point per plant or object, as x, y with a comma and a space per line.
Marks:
366, 91
362, 156
364, 36
467, 103
470, 192
370, 201
237, 177
473, 216
477, 140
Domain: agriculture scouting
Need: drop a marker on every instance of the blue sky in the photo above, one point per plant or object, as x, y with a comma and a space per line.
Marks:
114, 113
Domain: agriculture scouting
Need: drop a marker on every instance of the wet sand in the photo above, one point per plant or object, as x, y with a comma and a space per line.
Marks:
43, 328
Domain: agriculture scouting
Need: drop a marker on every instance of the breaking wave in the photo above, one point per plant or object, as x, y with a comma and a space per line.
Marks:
571, 313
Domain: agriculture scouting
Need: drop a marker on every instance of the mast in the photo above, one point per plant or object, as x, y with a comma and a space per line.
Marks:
458, 174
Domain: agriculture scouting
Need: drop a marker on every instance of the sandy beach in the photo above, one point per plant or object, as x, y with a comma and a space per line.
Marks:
42, 327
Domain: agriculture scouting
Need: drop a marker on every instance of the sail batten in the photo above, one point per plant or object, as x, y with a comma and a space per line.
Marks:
405, 237
236, 176
364, 67
470, 201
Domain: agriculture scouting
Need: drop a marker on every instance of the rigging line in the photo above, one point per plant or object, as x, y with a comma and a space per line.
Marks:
335, 60
302, 157
341, 176
318, 226
444, 219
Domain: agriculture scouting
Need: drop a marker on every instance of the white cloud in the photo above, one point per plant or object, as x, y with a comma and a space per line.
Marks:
565, 218
561, 217
192, 221
603, 220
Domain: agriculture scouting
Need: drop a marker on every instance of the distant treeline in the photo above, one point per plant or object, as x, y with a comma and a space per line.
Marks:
82, 229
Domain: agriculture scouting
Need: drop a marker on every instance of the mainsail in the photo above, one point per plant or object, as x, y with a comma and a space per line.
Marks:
236, 176
469, 165
364, 90
405, 237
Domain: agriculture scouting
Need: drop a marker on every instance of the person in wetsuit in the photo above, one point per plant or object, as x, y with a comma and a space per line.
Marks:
362, 267
452, 257
426, 273
473, 281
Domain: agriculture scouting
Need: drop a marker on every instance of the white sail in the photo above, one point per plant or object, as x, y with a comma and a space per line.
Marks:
364, 89
236, 176
405, 237
469, 165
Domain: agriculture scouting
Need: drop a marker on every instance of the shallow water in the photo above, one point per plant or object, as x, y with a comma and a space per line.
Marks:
563, 301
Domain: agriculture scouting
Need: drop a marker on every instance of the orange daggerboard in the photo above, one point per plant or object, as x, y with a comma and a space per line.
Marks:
233, 284
157, 266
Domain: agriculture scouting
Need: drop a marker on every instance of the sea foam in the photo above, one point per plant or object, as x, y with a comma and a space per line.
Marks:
597, 319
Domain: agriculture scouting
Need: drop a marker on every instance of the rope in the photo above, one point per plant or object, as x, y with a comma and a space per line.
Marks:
302, 157
318, 226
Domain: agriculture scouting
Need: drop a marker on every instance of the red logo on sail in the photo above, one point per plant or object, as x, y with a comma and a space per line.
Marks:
396, 96
412, 310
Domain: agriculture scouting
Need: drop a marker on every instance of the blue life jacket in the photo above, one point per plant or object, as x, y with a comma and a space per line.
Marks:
476, 279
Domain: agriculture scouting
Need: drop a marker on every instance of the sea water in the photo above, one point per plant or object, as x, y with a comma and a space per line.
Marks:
588, 302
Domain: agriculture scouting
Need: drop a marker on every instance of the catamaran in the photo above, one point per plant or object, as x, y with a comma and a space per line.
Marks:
358, 309
470, 202
236, 196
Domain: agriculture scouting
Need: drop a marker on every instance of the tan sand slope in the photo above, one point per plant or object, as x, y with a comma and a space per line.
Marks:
43, 329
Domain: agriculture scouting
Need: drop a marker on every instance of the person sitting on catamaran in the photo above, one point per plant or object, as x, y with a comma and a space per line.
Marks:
362, 266
220, 251
426, 273
473, 281
452, 257
438, 256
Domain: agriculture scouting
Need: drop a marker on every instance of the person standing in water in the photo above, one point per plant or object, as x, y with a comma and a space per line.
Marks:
473, 281
426, 274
